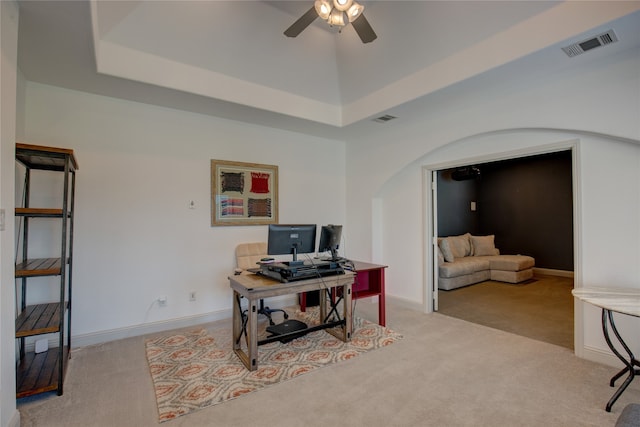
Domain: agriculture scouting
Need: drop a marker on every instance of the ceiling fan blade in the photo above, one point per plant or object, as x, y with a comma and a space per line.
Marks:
303, 22
364, 30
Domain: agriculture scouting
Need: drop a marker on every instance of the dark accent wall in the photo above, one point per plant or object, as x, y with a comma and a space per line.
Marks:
454, 201
527, 203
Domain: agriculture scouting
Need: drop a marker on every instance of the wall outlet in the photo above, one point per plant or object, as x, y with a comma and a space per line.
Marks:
162, 301
192, 296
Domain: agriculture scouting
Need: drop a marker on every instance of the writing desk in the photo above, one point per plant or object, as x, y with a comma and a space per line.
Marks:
254, 287
619, 300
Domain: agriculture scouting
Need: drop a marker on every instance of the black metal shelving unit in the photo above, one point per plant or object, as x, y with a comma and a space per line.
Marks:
45, 371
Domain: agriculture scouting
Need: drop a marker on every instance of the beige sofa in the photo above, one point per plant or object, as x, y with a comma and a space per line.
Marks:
466, 259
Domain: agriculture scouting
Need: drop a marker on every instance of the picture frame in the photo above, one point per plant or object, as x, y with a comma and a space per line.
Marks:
243, 193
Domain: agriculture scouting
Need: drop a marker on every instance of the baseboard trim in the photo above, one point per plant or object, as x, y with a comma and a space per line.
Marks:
100, 337
552, 272
15, 419
404, 303
601, 356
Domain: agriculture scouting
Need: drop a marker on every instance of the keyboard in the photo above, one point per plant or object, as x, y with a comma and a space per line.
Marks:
286, 273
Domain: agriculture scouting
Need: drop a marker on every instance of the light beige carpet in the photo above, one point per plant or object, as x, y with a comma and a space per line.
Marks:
444, 372
193, 369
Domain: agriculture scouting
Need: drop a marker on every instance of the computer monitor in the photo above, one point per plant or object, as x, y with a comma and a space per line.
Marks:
330, 236
286, 239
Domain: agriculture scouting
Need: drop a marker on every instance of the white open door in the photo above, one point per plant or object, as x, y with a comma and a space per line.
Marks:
434, 237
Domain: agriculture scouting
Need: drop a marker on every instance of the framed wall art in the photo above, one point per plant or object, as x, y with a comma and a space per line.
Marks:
243, 193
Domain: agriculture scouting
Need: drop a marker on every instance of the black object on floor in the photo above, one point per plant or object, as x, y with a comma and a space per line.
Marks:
313, 298
288, 327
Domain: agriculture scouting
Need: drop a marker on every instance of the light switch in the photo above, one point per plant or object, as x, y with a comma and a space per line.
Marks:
473, 206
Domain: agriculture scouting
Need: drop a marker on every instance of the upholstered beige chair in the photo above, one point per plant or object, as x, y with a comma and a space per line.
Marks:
247, 256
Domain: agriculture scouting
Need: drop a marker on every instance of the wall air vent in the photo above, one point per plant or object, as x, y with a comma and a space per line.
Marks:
592, 43
384, 119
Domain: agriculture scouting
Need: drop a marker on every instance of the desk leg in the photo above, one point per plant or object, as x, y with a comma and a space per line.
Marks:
381, 298
303, 301
348, 323
630, 364
252, 335
250, 329
322, 303
238, 328
347, 329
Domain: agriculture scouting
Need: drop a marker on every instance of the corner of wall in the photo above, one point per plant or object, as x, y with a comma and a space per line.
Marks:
9, 12
14, 421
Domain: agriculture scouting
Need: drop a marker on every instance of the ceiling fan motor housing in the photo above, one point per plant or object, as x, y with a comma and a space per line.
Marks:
335, 12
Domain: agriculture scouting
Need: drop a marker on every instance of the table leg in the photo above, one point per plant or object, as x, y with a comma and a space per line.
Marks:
346, 322
303, 302
630, 364
249, 328
238, 328
322, 302
348, 325
252, 335
381, 308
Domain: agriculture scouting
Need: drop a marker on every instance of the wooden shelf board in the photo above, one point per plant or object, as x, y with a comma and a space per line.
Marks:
38, 319
39, 373
35, 212
38, 267
41, 157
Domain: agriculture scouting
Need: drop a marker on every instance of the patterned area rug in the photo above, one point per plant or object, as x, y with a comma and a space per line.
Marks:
196, 369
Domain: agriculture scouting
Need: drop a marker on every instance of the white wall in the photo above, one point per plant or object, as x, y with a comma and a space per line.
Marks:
9, 416
577, 102
135, 237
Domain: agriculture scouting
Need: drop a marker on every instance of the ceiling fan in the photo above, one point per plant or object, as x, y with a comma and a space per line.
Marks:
335, 12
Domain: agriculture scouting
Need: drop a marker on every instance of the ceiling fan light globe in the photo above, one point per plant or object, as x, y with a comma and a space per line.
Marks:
354, 11
342, 5
336, 18
323, 8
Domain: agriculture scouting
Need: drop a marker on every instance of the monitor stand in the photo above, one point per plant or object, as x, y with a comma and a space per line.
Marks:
334, 257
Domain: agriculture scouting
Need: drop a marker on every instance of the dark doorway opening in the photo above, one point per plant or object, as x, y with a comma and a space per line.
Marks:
527, 203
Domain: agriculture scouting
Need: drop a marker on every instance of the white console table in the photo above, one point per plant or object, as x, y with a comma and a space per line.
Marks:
619, 300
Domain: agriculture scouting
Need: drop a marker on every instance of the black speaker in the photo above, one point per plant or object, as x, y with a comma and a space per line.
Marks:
313, 298
465, 173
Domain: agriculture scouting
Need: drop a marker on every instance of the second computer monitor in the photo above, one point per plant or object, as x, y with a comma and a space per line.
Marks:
330, 236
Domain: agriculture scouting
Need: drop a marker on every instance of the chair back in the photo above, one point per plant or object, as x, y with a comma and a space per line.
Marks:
248, 254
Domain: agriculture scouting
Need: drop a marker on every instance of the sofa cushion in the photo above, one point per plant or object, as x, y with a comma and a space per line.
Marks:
455, 247
483, 245
449, 283
512, 276
461, 266
511, 262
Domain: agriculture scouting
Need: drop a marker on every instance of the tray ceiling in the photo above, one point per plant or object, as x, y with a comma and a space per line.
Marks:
230, 58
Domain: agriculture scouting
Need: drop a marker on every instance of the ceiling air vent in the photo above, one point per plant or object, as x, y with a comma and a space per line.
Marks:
585, 45
384, 119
